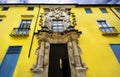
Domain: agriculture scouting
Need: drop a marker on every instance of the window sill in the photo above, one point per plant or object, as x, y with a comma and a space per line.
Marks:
111, 34
2, 15
27, 15
20, 32
19, 35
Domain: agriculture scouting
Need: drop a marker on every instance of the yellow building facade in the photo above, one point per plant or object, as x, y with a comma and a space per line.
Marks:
96, 25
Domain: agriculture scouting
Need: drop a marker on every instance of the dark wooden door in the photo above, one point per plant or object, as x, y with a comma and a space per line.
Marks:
58, 61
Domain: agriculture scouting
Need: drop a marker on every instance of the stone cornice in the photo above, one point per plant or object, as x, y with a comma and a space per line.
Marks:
57, 37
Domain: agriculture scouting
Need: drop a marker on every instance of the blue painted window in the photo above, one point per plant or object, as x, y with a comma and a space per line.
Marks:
9, 62
104, 26
88, 10
24, 27
103, 10
25, 24
117, 9
57, 26
116, 50
30, 8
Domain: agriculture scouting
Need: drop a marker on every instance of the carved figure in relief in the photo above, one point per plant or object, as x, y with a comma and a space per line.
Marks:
39, 62
46, 54
71, 53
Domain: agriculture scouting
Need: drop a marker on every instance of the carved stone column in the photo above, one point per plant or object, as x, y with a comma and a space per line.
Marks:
79, 67
71, 59
46, 59
38, 67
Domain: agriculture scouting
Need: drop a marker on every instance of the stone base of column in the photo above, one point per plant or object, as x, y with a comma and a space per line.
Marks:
37, 72
81, 71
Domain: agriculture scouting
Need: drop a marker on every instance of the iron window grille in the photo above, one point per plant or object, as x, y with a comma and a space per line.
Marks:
106, 29
23, 29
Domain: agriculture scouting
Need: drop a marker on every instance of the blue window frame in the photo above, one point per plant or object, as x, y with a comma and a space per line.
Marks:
9, 62
104, 26
117, 9
24, 27
88, 10
57, 26
25, 24
103, 10
116, 50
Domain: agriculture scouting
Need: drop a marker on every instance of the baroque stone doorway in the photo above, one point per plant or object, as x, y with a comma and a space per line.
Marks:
58, 29
41, 68
59, 61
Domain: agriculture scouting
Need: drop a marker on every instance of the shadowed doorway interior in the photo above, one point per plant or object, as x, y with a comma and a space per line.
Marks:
59, 61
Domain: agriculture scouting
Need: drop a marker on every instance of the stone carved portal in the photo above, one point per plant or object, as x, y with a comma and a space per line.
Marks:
48, 36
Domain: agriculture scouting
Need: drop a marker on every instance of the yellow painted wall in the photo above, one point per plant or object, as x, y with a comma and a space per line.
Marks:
96, 51
113, 8
12, 20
